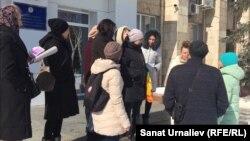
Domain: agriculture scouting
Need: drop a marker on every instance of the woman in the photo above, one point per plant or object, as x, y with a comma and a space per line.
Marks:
134, 71
62, 101
106, 30
15, 82
86, 53
180, 59
232, 74
152, 54
112, 121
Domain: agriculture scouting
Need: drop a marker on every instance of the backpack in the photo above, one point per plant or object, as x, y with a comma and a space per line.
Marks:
95, 97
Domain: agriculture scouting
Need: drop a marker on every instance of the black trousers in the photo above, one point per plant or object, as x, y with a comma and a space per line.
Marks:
134, 108
52, 129
148, 106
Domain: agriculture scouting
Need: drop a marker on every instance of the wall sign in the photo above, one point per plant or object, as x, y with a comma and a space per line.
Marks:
33, 17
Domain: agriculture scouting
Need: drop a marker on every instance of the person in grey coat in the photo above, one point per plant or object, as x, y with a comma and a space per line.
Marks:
208, 99
152, 54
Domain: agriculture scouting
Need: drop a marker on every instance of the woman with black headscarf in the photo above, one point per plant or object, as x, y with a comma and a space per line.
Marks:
62, 101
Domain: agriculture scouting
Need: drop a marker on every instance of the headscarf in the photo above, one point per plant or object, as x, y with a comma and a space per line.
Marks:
8, 17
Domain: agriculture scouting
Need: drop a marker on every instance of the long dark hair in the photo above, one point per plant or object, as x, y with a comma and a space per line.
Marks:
107, 28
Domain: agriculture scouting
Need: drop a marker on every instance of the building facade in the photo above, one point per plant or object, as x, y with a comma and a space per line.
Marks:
177, 20
207, 20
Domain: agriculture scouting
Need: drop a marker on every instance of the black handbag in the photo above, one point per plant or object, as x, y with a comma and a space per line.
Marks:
35, 90
178, 113
45, 80
179, 107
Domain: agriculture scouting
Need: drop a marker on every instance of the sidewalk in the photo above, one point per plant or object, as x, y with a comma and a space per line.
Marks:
73, 128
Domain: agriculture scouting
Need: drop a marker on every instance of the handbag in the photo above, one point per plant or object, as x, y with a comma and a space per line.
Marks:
179, 107
45, 80
179, 112
35, 90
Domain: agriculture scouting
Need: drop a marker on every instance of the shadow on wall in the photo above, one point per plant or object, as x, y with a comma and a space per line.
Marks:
168, 45
209, 16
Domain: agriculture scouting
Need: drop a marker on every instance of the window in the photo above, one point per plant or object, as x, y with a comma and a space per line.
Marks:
229, 46
146, 22
197, 32
73, 16
78, 22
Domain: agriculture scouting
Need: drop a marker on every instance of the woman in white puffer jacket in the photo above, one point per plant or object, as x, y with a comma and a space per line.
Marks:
152, 54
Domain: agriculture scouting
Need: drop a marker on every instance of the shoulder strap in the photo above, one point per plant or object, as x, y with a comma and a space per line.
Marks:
108, 70
190, 89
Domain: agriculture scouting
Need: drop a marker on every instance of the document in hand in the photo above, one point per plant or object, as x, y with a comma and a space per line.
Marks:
44, 54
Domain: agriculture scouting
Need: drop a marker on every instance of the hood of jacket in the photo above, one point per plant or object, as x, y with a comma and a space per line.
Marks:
233, 70
118, 34
101, 65
157, 40
48, 37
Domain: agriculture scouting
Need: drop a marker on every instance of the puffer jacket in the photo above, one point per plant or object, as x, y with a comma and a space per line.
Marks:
232, 75
152, 56
112, 120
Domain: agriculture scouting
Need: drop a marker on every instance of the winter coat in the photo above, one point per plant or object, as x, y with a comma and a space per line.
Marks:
152, 56
208, 99
99, 44
232, 75
62, 101
87, 51
112, 120
176, 61
133, 70
15, 92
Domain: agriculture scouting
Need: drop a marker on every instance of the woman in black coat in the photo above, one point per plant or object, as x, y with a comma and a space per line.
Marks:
133, 70
15, 82
62, 101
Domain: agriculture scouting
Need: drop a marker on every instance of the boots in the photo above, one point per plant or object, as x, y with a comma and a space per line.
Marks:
58, 138
145, 119
43, 139
55, 139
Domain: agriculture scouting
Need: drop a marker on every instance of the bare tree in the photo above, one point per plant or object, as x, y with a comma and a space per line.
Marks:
75, 39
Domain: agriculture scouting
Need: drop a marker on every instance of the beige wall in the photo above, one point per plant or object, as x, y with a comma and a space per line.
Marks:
216, 24
149, 7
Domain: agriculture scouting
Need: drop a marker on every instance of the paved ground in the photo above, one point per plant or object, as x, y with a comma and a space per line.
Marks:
74, 127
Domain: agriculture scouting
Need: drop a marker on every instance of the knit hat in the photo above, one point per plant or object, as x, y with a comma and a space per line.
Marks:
135, 34
113, 51
93, 32
198, 49
228, 59
57, 25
